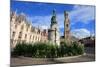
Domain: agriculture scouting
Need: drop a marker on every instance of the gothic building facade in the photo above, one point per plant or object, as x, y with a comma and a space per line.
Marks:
23, 31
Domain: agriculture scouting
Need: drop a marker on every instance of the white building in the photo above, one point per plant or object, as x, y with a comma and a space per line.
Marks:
23, 31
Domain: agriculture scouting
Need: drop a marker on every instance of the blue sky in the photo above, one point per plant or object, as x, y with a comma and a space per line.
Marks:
82, 17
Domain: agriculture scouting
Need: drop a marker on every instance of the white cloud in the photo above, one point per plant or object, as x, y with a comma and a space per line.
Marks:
82, 14
44, 27
80, 33
40, 21
60, 20
79, 14
45, 21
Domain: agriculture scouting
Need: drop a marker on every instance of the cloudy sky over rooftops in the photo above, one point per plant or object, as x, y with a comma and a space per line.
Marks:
82, 17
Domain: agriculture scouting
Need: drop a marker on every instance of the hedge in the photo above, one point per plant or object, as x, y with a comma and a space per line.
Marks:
48, 50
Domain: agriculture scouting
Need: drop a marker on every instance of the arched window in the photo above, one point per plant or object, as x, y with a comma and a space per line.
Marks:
66, 25
27, 29
13, 34
30, 36
15, 26
33, 37
22, 27
25, 36
20, 35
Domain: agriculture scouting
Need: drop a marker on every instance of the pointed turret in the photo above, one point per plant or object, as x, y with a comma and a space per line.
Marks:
53, 19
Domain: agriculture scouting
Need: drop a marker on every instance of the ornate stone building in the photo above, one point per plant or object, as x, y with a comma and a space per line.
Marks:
53, 32
66, 27
23, 31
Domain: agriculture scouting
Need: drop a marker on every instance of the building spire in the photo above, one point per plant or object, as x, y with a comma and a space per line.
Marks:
53, 19
66, 27
54, 12
65, 14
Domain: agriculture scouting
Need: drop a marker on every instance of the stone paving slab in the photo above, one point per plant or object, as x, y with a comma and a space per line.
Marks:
37, 61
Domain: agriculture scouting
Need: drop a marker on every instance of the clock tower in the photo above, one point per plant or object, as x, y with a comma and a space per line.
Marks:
66, 27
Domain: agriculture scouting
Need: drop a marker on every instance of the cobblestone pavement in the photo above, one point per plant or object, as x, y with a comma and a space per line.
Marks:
35, 61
